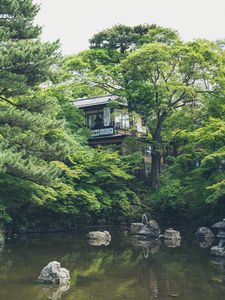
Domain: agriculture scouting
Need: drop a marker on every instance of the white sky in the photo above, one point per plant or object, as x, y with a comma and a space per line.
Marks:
75, 21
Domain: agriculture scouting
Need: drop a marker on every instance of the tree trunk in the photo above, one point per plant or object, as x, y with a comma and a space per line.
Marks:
156, 154
155, 169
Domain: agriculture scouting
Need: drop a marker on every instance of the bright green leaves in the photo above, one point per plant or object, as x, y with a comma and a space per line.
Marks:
99, 182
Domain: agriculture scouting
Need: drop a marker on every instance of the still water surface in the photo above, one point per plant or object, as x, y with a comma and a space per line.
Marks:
126, 269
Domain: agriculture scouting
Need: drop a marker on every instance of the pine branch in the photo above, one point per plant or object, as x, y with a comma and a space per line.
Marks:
9, 101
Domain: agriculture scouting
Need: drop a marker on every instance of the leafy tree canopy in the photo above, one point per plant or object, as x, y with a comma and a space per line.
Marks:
126, 38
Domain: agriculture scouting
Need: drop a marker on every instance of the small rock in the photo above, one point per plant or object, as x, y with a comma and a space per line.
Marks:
136, 227
99, 235
151, 229
204, 237
54, 274
203, 234
218, 251
172, 234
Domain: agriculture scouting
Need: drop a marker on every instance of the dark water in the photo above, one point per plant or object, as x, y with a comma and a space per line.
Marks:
125, 269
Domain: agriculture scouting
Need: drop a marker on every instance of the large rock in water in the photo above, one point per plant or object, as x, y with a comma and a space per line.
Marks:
151, 229
99, 235
136, 227
54, 274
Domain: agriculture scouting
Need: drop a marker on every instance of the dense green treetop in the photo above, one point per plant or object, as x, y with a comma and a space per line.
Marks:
126, 38
157, 79
16, 19
160, 79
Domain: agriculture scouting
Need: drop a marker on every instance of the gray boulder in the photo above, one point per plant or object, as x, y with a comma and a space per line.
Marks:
204, 234
171, 234
54, 274
99, 235
204, 237
136, 227
151, 229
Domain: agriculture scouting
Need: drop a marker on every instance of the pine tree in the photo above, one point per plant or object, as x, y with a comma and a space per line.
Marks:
31, 136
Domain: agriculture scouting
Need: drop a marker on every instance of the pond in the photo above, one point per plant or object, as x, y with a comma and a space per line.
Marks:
125, 269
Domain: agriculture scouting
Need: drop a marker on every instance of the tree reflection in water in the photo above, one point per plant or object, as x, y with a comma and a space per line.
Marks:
116, 271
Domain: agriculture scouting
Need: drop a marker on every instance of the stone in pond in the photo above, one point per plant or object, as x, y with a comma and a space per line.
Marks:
204, 237
151, 229
204, 234
99, 235
54, 274
136, 227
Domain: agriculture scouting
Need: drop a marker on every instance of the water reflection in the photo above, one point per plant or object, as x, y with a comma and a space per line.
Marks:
53, 292
151, 246
172, 243
118, 271
1, 247
97, 242
206, 243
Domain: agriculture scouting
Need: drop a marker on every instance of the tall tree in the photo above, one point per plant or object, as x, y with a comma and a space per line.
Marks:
31, 136
160, 79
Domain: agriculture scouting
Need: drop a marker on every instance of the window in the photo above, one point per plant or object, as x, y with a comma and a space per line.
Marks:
122, 120
95, 120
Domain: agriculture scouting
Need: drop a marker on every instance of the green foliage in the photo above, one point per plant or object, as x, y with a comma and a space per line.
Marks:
16, 19
96, 184
48, 172
178, 90
32, 137
125, 38
193, 183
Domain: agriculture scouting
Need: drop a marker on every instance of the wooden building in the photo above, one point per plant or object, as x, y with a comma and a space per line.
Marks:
109, 120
